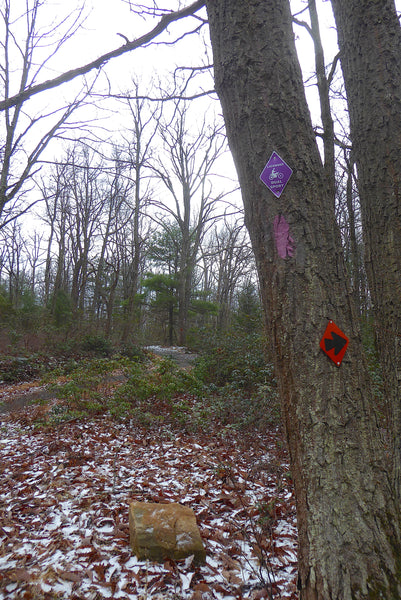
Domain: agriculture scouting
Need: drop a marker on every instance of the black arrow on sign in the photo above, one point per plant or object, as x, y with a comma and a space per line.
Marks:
337, 343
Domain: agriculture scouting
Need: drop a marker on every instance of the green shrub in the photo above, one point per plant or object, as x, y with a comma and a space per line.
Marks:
16, 369
7, 311
86, 385
97, 345
134, 352
240, 381
257, 411
162, 381
62, 309
157, 393
236, 360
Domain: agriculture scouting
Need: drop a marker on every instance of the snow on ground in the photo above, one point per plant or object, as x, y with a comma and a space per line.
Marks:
64, 498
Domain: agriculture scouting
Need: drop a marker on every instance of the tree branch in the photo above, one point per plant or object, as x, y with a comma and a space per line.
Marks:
164, 22
333, 68
156, 98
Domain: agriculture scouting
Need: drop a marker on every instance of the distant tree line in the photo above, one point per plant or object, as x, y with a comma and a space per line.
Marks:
134, 246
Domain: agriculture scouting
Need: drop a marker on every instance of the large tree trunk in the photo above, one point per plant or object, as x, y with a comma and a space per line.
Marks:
370, 42
349, 540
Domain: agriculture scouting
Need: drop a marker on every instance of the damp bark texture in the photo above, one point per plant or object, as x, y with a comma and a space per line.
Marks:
369, 37
349, 540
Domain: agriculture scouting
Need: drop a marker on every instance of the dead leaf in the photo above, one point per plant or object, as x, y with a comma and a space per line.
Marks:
259, 594
230, 563
202, 586
19, 575
232, 577
73, 576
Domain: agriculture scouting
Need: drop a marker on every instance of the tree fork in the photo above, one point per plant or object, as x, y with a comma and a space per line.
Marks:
370, 43
349, 531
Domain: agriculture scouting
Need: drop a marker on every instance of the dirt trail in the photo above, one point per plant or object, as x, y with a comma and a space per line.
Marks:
15, 397
178, 354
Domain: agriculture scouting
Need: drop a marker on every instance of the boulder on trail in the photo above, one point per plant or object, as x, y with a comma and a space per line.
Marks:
160, 531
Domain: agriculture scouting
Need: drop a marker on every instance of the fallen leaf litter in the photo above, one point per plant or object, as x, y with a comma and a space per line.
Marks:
64, 499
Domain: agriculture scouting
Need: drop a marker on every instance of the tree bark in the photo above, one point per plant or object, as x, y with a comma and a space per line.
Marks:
370, 44
349, 539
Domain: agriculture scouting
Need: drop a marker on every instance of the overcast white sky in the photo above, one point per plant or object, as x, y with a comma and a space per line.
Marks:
107, 18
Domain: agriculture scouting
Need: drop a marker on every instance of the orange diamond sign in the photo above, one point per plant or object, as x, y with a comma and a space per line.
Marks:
334, 343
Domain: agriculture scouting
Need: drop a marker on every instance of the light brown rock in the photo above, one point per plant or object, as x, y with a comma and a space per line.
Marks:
159, 531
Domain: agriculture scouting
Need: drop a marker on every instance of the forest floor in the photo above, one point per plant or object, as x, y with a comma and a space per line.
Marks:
65, 493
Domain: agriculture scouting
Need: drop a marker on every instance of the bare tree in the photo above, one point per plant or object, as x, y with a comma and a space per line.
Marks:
116, 214
348, 523
87, 198
348, 216
75, 208
13, 262
139, 138
323, 82
35, 257
370, 42
185, 169
25, 131
169, 17
55, 195
49, 216
232, 261
94, 211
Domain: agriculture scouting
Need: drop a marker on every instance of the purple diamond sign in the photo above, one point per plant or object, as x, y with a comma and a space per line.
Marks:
276, 174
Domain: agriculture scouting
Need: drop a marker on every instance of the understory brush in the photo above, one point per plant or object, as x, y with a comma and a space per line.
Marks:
156, 392
159, 392
19, 368
240, 381
83, 388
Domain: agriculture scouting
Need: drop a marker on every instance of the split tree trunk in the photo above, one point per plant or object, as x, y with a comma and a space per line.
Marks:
369, 37
349, 539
